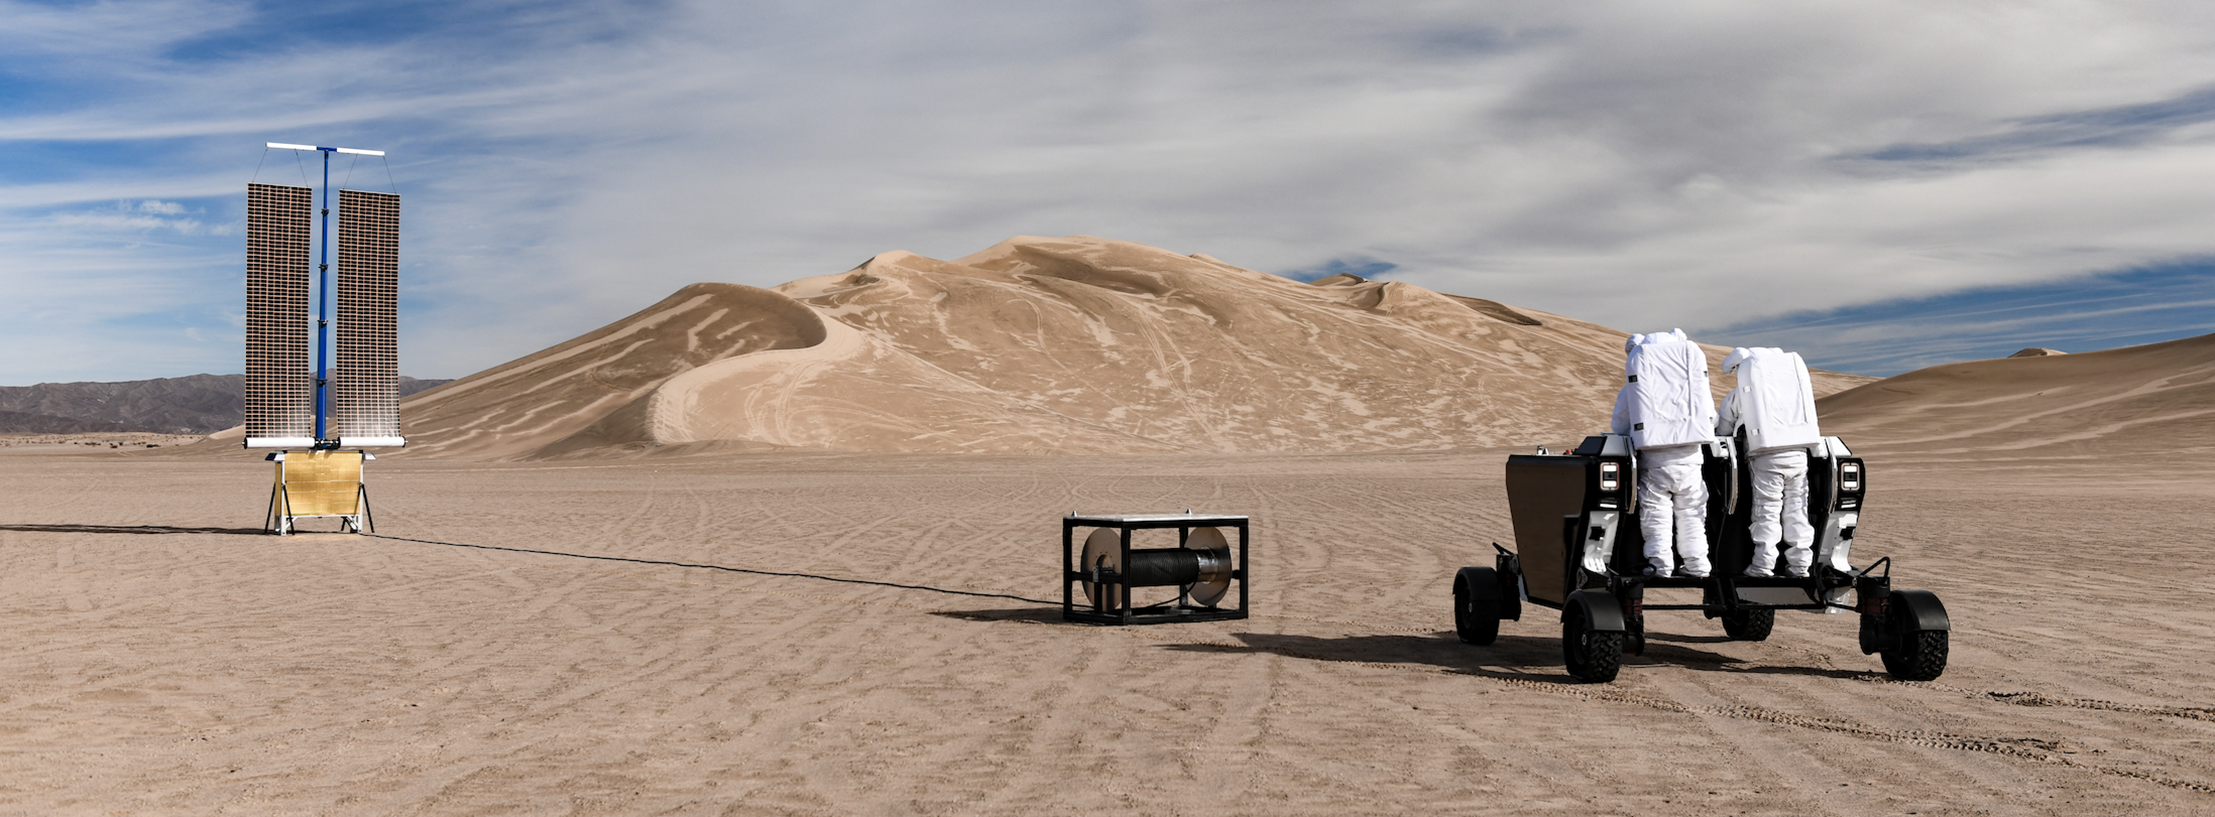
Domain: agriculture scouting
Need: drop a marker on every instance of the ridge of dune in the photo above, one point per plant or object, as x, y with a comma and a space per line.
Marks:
1044, 345
2155, 398
853, 391
545, 399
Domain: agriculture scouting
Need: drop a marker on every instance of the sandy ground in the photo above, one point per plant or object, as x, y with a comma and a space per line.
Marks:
494, 651
18, 444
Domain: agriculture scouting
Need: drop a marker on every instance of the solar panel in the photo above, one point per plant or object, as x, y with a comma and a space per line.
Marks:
279, 384
365, 382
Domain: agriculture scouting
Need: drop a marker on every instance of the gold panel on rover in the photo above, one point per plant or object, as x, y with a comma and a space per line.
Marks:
321, 483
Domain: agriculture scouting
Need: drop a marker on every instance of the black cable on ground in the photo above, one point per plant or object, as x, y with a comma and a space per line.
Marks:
716, 567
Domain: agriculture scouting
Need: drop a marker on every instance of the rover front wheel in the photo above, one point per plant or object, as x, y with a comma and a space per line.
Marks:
1592, 656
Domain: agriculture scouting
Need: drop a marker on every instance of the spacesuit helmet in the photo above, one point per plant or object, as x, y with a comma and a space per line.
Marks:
1737, 356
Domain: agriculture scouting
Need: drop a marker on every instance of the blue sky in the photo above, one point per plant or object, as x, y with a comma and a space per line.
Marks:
1884, 185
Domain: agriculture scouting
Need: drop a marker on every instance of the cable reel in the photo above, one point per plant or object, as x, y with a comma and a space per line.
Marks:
1202, 567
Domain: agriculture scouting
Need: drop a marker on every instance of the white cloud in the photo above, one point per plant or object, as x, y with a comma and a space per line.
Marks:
1644, 165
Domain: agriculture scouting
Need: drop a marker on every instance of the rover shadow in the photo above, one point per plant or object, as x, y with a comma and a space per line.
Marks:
1527, 658
1675, 638
136, 530
1670, 649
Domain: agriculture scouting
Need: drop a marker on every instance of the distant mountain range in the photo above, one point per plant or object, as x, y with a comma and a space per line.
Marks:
198, 404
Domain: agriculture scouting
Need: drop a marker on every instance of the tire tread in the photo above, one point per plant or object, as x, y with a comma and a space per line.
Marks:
1920, 656
1749, 625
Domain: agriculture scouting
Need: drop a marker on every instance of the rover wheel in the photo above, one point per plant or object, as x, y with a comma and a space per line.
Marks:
1919, 655
1749, 625
1476, 620
1592, 656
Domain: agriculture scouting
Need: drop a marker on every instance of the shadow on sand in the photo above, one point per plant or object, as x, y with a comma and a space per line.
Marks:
1527, 658
1520, 657
141, 530
1034, 615
697, 566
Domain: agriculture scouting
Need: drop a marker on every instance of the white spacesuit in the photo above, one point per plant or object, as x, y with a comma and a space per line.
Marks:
1667, 410
1775, 404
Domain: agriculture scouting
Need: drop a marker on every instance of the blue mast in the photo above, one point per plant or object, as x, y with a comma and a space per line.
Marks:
323, 310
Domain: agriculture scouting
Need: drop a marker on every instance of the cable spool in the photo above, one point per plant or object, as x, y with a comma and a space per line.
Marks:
1202, 566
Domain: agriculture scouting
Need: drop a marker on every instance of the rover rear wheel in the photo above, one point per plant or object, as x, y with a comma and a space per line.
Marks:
1476, 619
1749, 625
1919, 655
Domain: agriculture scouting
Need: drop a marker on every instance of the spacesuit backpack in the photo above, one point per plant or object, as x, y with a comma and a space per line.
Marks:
1669, 402
1777, 401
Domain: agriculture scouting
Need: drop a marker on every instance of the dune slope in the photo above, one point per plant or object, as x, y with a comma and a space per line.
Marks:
2157, 398
553, 401
1045, 345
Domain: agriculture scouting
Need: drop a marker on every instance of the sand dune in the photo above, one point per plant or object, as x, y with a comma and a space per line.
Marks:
1045, 345
571, 395
2140, 400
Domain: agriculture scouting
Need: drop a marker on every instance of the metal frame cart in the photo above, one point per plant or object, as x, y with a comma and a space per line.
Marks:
1202, 566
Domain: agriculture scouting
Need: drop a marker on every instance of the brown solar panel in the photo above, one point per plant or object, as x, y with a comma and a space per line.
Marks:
279, 384
365, 385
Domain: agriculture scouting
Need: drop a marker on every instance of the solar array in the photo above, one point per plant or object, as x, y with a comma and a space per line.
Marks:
293, 401
365, 385
280, 387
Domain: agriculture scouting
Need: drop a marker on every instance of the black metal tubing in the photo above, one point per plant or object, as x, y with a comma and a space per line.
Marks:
1725, 590
1170, 611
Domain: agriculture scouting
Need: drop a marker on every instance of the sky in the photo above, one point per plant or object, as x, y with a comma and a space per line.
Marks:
1882, 185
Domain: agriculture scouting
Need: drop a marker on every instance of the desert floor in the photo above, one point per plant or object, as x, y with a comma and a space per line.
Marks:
505, 646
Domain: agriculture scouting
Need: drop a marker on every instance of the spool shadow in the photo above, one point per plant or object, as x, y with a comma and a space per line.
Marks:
1034, 615
139, 530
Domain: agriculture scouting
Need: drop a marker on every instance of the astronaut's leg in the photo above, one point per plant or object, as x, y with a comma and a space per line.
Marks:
1691, 518
1655, 510
1799, 553
1768, 503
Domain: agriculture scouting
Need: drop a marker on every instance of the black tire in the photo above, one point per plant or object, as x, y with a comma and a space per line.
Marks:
1749, 625
1592, 656
1920, 655
1476, 621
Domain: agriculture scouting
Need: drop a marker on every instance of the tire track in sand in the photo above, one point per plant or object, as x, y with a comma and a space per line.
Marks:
2031, 749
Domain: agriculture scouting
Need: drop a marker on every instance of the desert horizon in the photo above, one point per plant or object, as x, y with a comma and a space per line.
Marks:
984, 408
794, 551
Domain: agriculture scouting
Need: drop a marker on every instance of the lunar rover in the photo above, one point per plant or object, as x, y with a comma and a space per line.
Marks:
1579, 550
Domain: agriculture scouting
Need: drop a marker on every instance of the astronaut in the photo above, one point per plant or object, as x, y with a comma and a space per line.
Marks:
1774, 405
1667, 410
